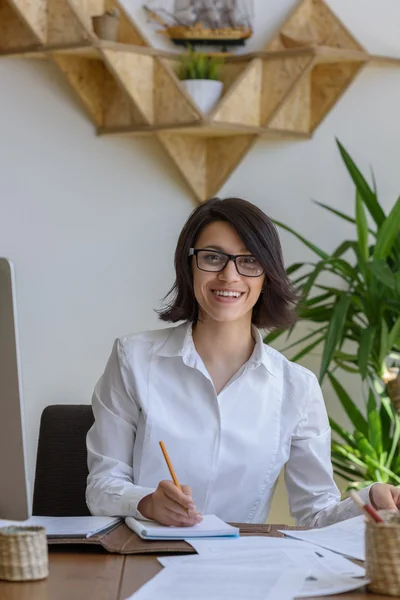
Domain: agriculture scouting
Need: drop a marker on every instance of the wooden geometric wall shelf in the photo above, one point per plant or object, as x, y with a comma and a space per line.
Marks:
130, 87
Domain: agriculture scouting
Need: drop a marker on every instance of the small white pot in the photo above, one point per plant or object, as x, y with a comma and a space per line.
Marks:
106, 26
205, 92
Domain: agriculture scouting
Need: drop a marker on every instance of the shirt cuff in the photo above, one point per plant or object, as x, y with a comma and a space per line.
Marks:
130, 499
365, 494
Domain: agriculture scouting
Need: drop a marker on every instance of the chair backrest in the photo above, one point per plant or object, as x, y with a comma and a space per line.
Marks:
61, 464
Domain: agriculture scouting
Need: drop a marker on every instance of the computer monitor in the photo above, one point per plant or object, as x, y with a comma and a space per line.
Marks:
14, 485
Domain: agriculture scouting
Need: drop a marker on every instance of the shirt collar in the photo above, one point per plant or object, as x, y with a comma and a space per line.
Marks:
180, 343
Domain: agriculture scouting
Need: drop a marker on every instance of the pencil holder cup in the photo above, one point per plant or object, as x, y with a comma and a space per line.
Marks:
382, 545
23, 553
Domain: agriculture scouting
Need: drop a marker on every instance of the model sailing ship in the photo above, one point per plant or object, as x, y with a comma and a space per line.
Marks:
204, 21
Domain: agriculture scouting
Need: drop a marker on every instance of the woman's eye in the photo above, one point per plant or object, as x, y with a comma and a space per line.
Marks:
213, 257
248, 260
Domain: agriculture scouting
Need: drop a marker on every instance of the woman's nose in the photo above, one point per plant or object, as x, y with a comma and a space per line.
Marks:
230, 272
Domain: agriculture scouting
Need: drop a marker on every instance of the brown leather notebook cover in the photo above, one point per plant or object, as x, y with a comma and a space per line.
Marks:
123, 540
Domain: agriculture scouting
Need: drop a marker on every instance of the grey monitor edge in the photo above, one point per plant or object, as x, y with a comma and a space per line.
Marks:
14, 484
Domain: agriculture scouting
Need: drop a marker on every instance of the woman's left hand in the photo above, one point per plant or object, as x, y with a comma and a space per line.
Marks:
384, 496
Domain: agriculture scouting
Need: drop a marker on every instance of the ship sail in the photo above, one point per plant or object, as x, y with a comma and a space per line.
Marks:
211, 13
201, 21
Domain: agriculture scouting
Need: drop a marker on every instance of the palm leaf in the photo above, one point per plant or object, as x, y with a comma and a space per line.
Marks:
394, 334
307, 349
362, 227
334, 334
347, 437
364, 350
387, 233
349, 406
374, 424
368, 196
310, 245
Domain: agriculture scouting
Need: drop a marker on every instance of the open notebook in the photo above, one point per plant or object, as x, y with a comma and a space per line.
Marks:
67, 527
211, 526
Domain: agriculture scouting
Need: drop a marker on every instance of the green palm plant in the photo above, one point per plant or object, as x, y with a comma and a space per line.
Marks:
371, 452
362, 311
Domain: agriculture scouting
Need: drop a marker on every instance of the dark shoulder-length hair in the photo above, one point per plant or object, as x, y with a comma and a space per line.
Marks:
275, 306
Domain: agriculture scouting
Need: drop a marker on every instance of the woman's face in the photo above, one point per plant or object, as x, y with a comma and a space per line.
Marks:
210, 288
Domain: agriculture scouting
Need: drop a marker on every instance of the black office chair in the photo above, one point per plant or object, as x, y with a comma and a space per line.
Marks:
61, 464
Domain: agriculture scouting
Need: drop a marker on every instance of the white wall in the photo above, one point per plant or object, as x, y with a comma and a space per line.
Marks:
91, 223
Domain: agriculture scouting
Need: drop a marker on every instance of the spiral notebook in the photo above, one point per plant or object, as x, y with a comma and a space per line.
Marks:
211, 526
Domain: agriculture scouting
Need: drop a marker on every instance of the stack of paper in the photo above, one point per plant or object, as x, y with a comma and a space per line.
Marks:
264, 568
67, 527
220, 582
346, 537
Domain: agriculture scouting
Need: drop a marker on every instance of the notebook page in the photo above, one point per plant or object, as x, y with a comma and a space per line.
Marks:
210, 526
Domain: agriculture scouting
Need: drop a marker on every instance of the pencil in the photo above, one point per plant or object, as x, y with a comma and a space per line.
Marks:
366, 508
170, 467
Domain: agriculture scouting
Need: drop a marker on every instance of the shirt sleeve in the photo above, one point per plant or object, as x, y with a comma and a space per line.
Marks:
111, 441
314, 498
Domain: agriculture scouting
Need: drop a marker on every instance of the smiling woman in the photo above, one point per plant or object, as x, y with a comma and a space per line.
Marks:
231, 410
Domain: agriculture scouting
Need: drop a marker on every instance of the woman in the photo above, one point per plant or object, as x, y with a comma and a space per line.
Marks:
231, 410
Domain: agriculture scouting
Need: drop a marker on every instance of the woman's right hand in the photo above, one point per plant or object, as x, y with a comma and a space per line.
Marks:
170, 506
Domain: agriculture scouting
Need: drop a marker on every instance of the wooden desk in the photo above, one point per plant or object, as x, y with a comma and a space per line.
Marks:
83, 575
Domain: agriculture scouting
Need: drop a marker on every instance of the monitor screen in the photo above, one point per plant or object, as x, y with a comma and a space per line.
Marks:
14, 487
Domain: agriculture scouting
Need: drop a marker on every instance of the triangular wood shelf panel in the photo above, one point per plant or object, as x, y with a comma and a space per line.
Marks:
128, 86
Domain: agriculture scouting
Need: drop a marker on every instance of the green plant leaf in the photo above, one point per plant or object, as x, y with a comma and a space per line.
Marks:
294, 267
364, 446
387, 234
307, 349
339, 451
312, 247
334, 334
381, 270
317, 299
395, 442
374, 424
368, 196
374, 463
384, 347
362, 227
364, 350
350, 470
349, 406
394, 335
387, 419
345, 435
335, 212
303, 339
273, 335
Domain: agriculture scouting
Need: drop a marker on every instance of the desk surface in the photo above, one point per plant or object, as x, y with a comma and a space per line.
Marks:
76, 575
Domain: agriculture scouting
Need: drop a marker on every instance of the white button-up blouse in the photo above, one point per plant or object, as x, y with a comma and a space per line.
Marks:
228, 447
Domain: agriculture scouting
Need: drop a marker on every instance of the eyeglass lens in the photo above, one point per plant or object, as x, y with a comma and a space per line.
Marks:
215, 261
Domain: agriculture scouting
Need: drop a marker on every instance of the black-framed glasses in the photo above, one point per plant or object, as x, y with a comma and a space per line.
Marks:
216, 261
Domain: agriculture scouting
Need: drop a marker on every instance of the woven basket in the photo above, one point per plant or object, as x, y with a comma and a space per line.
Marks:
23, 553
382, 541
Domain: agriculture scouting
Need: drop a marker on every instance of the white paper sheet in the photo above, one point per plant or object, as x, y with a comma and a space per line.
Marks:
254, 544
346, 537
221, 582
321, 579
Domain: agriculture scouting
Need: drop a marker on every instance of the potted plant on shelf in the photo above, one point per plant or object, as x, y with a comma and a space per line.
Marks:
106, 25
198, 73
